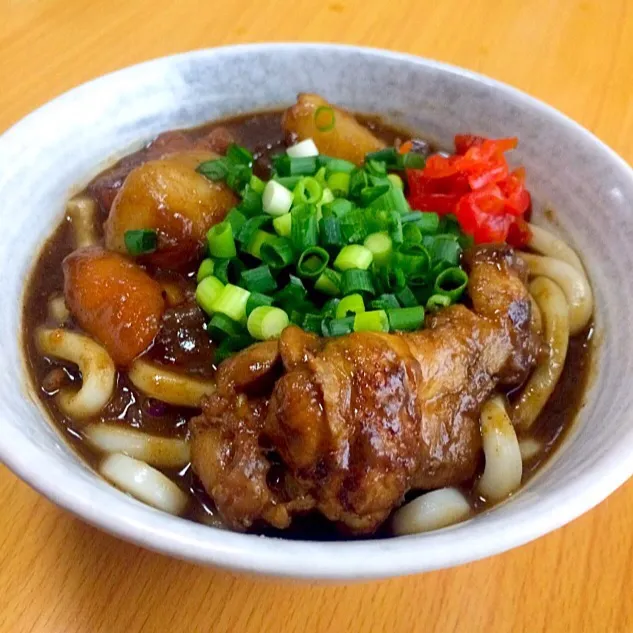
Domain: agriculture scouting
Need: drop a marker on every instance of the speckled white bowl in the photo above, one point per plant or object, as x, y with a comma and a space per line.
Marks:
61, 145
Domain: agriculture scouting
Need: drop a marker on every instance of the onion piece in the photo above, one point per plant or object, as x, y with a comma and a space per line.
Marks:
82, 213
431, 511
144, 483
153, 449
504, 466
529, 448
303, 149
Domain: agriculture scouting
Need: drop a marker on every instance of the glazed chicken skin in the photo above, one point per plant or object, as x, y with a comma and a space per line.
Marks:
347, 426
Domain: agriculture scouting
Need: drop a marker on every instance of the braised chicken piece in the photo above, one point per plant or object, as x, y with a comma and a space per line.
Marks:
335, 131
351, 424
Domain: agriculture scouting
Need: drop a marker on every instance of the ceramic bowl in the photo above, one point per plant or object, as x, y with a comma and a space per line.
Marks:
58, 148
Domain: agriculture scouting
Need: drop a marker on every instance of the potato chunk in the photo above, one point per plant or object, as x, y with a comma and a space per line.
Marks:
346, 139
169, 196
114, 300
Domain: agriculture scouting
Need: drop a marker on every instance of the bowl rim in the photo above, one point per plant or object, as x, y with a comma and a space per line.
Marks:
341, 560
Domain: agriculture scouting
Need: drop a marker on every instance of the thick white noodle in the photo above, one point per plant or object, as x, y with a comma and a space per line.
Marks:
554, 308
82, 213
504, 466
537, 317
529, 448
144, 483
169, 386
58, 312
573, 283
548, 244
97, 371
431, 511
155, 450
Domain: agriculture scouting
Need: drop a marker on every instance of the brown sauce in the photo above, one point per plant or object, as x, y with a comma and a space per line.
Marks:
260, 133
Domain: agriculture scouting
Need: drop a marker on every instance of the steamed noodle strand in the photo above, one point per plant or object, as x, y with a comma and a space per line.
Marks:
144, 483
431, 511
537, 317
553, 305
97, 371
169, 386
155, 450
504, 467
546, 243
573, 283
82, 213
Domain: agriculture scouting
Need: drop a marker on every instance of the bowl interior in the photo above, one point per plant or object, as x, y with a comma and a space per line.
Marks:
57, 149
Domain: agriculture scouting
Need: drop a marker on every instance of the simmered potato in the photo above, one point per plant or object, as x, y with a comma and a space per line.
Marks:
169, 196
346, 138
114, 300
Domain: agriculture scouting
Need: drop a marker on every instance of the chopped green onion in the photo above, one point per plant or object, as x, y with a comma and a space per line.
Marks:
292, 294
258, 279
406, 319
329, 283
303, 149
327, 197
451, 283
207, 291
338, 183
381, 247
304, 227
411, 233
312, 323
205, 269
238, 176
389, 156
250, 228
373, 321
435, 302
428, 222
358, 181
230, 345
252, 203
282, 224
221, 327
370, 194
140, 241
354, 226
276, 199
277, 253
396, 181
446, 248
355, 280
338, 327
390, 279
353, 256
351, 304
320, 177
221, 242
232, 302
257, 184
324, 118
236, 219
413, 258
406, 298
338, 208
257, 299
312, 262
238, 154
333, 165
385, 302
289, 182
307, 191
228, 270
214, 169
286, 166
329, 307
376, 168
330, 230
412, 160
267, 322
259, 239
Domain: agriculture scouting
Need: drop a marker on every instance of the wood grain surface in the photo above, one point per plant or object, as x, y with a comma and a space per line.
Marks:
59, 575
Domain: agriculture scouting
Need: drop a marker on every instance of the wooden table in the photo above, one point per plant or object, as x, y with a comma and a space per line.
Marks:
59, 575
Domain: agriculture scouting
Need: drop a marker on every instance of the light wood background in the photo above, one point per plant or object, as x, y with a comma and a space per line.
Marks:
59, 575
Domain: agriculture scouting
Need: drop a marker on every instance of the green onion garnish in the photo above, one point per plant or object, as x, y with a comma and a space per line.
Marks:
214, 169
312, 262
335, 165
236, 219
353, 256
277, 252
221, 242
276, 199
338, 327
329, 283
232, 302
385, 302
451, 283
406, 319
250, 228
338, 183
259, 239
355, 280
257, 184
207, 291
221, 327
252, 202
205, 269
350, 305
258, 279
304, 229
324, 118
373, 321
371, 194
257, 299
308, 191
230, 345
238, 154
283, 225
396, 181
140, 241
292, 294
435, 302
228, 270
406, 298
381, 247
267, 322
286, 166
